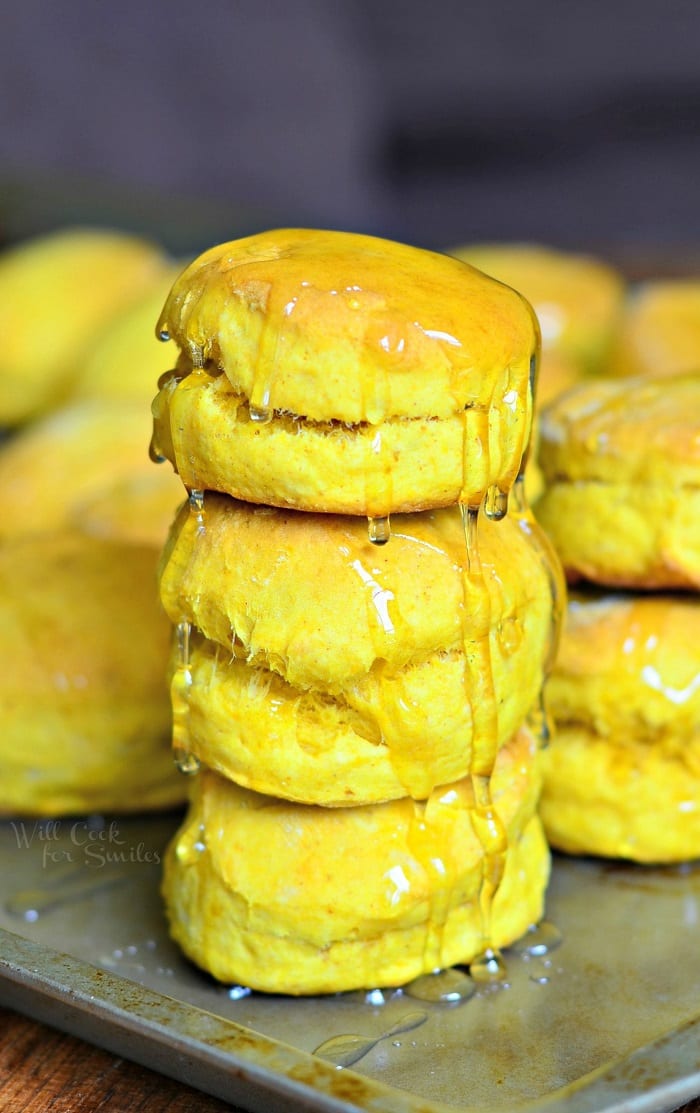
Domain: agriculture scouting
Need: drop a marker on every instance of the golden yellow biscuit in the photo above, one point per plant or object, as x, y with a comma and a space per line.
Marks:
621, 465
56, 293
83, 701
659, 332
578, 300
346, 672
126, 358
86, 466
335, 372
622, 773
353, 897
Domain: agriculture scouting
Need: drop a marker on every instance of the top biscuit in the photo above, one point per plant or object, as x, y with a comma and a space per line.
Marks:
304, 335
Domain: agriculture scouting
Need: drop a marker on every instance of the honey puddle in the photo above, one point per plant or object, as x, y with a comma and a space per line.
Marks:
344, 1051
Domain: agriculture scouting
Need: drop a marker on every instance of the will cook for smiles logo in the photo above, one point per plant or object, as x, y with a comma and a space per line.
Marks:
91, 842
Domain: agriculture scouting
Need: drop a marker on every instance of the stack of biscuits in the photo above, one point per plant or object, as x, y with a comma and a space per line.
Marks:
364, 612
621, 460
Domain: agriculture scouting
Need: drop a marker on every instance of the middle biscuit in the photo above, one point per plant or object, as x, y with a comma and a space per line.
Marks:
328, 670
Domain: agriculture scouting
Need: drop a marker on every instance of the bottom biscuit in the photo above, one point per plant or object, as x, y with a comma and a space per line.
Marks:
621, 799
299, 899
622, 772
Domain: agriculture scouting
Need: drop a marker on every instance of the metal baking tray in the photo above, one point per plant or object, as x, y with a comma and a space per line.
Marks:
599, 1010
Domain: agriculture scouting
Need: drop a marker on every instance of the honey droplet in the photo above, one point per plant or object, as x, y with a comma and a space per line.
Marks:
190, 846
261, 415
186, 762
196, 501
379, 530
451, 987
539, 722
496, 504
238, 992
154, 453
488, 968
538, 940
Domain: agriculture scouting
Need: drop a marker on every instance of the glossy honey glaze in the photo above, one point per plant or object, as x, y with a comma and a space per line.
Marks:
643, 430
630, 661
338, 327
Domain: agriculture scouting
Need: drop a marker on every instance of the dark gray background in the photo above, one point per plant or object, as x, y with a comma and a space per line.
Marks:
577, 124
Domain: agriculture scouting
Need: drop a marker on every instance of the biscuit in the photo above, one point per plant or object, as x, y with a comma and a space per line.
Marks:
659, 332
578, 300
126, 358
56, 294
342, 373
621, 466
339, 672
85, 466
622, 772
298, 899
84, 705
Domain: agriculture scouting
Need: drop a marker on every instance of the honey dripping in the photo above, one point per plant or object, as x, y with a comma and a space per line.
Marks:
488, 966
271, 341
445, 987
160, 447
379, 530
378, 473
181, 683
180, 686
495, 503
196, 503
429, 841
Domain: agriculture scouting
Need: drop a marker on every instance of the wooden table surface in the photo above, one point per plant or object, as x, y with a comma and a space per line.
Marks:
43, 1070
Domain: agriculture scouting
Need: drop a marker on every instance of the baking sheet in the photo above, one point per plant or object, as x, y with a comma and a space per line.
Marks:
84, 945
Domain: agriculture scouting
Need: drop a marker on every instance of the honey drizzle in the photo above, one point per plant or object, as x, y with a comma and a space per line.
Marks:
180, 687
196, 501
427, 843
260, 405
181, 683
430, 837
379, 530
378, 473
160, 446
487, 824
